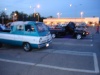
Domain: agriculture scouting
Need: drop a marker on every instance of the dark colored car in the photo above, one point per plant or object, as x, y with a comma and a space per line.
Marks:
70, 29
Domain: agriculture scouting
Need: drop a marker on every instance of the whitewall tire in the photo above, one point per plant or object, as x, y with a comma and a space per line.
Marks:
27, 47
78, 36
53, 35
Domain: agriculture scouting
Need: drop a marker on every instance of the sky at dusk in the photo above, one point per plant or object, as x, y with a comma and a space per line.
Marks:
52, 7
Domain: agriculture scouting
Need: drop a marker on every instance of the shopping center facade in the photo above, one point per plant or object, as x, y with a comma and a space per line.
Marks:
55, 21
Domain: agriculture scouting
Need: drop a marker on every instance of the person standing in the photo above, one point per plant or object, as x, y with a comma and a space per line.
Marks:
97, 29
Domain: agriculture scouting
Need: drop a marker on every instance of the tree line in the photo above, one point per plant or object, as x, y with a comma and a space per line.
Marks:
20, 16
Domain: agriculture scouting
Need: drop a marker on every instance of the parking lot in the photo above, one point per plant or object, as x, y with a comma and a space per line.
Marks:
65, 56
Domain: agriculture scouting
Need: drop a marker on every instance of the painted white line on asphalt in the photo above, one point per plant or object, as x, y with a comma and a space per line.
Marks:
91, 40
73, 52
68, 52
59, 43
95, 63
67, 69
49, 66
66, 39
17, 62
96, 67
80, 53
91, 45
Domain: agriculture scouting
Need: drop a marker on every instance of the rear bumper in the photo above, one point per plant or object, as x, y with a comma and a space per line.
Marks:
86, 33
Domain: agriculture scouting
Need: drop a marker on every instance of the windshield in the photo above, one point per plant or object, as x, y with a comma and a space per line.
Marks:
41, 27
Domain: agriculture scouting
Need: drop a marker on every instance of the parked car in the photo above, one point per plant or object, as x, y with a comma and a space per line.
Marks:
28, 34
72, 30
82, 26
69, 29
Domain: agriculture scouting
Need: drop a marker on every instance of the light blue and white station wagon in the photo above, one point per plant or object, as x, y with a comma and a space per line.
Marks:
28, 34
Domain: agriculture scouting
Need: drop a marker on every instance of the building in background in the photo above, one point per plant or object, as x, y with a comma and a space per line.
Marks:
55, 21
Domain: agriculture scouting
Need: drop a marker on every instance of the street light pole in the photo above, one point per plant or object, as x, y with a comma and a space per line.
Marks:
23, 17
38, 6
3, 17
34, 11
14, 16
2, 20
38, 17
59, 14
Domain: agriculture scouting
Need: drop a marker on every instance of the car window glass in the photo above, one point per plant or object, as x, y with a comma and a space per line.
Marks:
19, 27
29, 28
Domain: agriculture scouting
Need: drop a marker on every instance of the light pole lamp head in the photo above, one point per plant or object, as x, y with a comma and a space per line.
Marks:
70, 5
58, 13
30, 6
38, 6
37, 14
81, 13
15, 14
5, 9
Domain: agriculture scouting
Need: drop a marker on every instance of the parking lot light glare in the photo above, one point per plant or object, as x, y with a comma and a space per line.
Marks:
5, 8
81, 13
70, 5
59, 14
15, 14
34, 8
30, 6
38, 6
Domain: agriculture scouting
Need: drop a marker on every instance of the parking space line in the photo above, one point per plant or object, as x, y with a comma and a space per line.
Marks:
67, 69
91, 40
49, 66
95, 63
91, 45
96, 67
72, 44
73, 52
65, 39
68, 52
17, 62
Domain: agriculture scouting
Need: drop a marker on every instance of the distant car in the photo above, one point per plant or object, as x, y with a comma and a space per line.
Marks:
69, 29
82, 26
63, 25
72, 30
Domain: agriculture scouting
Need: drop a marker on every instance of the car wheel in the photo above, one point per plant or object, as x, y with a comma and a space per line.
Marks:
27, 47
53, 35
1, 45
78, 36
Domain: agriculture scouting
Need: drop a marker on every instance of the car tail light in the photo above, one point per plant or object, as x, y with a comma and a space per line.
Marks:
87, 33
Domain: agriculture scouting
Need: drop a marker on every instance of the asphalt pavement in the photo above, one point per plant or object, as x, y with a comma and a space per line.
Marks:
65, 56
